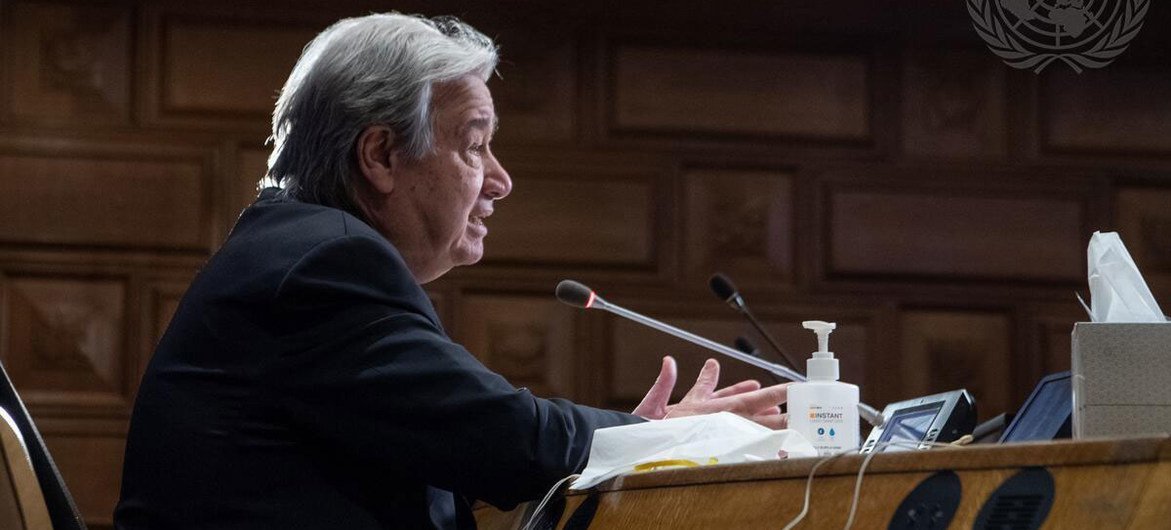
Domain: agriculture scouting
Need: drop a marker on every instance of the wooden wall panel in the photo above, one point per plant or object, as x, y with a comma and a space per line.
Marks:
211, 70
67, 64
696, 92
251, 166
954, 105
527, 339
1052, 336
65, 341
536, 96
741, 222
1117, 110
1143, 220
92, 466
637, 352
585, 219
955, 233
137, 201
948, 350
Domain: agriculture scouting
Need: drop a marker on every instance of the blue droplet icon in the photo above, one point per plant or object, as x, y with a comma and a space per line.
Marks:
831, 432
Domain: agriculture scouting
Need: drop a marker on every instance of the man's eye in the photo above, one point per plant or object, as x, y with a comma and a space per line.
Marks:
477, 148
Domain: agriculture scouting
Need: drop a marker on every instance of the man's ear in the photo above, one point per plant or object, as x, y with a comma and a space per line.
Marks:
378, 159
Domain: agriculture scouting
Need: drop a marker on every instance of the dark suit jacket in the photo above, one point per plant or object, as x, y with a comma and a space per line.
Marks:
306, 382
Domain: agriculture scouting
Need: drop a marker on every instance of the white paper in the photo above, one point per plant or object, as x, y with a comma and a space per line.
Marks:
724, 437
1118, 292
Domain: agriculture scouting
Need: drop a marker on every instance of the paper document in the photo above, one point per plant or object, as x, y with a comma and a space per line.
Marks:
721, 438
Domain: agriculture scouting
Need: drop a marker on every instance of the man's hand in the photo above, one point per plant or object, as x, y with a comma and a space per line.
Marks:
745, 398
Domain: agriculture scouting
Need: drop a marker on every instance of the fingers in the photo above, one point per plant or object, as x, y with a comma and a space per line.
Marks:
705, 384
738, 388
654, 404
668, 374
777, 421
750, 402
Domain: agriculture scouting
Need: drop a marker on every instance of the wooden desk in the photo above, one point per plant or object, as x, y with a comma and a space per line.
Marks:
1123, 483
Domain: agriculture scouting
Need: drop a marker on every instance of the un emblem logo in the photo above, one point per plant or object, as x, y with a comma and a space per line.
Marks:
1031, 34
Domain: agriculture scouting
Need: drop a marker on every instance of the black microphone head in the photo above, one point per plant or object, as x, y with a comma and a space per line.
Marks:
575, 294
722, 286
745, 346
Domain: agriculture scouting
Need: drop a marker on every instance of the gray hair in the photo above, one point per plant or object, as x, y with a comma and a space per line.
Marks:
376, 69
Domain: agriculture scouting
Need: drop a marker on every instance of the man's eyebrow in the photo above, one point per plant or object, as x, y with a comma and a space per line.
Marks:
487, 124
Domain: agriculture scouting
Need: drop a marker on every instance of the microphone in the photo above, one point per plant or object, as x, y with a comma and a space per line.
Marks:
722, 286
746, 346
575, 294
580, 296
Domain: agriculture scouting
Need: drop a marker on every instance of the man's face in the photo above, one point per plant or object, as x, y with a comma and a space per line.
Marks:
435, 214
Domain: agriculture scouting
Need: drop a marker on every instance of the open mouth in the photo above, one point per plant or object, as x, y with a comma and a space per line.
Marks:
475, 220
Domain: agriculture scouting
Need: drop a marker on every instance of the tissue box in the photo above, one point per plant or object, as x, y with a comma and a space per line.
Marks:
1121, 379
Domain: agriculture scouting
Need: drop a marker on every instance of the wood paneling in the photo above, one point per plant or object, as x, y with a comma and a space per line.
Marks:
227, 66
585, 219
947, 350
68, 63
740, 93
251, 166
1051, 335
65, 341
1118, 109
209, 70
137, 201
1143, 219
528, 340
954, 105
536, 95
92, 466
955, 233
742, 222
638, 350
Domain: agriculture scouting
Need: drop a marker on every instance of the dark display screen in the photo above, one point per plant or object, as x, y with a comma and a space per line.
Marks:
1046, 415
910, 426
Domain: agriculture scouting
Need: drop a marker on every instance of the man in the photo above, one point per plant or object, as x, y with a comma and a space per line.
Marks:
305, 380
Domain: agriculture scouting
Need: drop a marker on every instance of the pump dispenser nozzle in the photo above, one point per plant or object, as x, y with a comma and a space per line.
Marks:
822, 329
822, 366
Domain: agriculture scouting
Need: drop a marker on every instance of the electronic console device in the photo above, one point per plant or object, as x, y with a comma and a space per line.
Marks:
919, 422
1047, 414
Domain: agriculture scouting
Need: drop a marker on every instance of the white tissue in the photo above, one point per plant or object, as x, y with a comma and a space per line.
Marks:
1118, 292
722, 438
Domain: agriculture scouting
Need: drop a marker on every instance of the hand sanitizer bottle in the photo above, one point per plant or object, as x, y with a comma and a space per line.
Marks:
823, 409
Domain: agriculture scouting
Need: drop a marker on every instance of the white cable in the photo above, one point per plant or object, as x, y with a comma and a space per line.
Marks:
808, 484
858, 490
809, 487
857, 483
866, 462
541, 506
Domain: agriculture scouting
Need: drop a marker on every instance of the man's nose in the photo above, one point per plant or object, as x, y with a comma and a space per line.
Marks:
497, 182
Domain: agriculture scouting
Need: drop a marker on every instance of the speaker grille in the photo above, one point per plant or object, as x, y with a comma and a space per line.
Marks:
1021, 503
1014, 512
